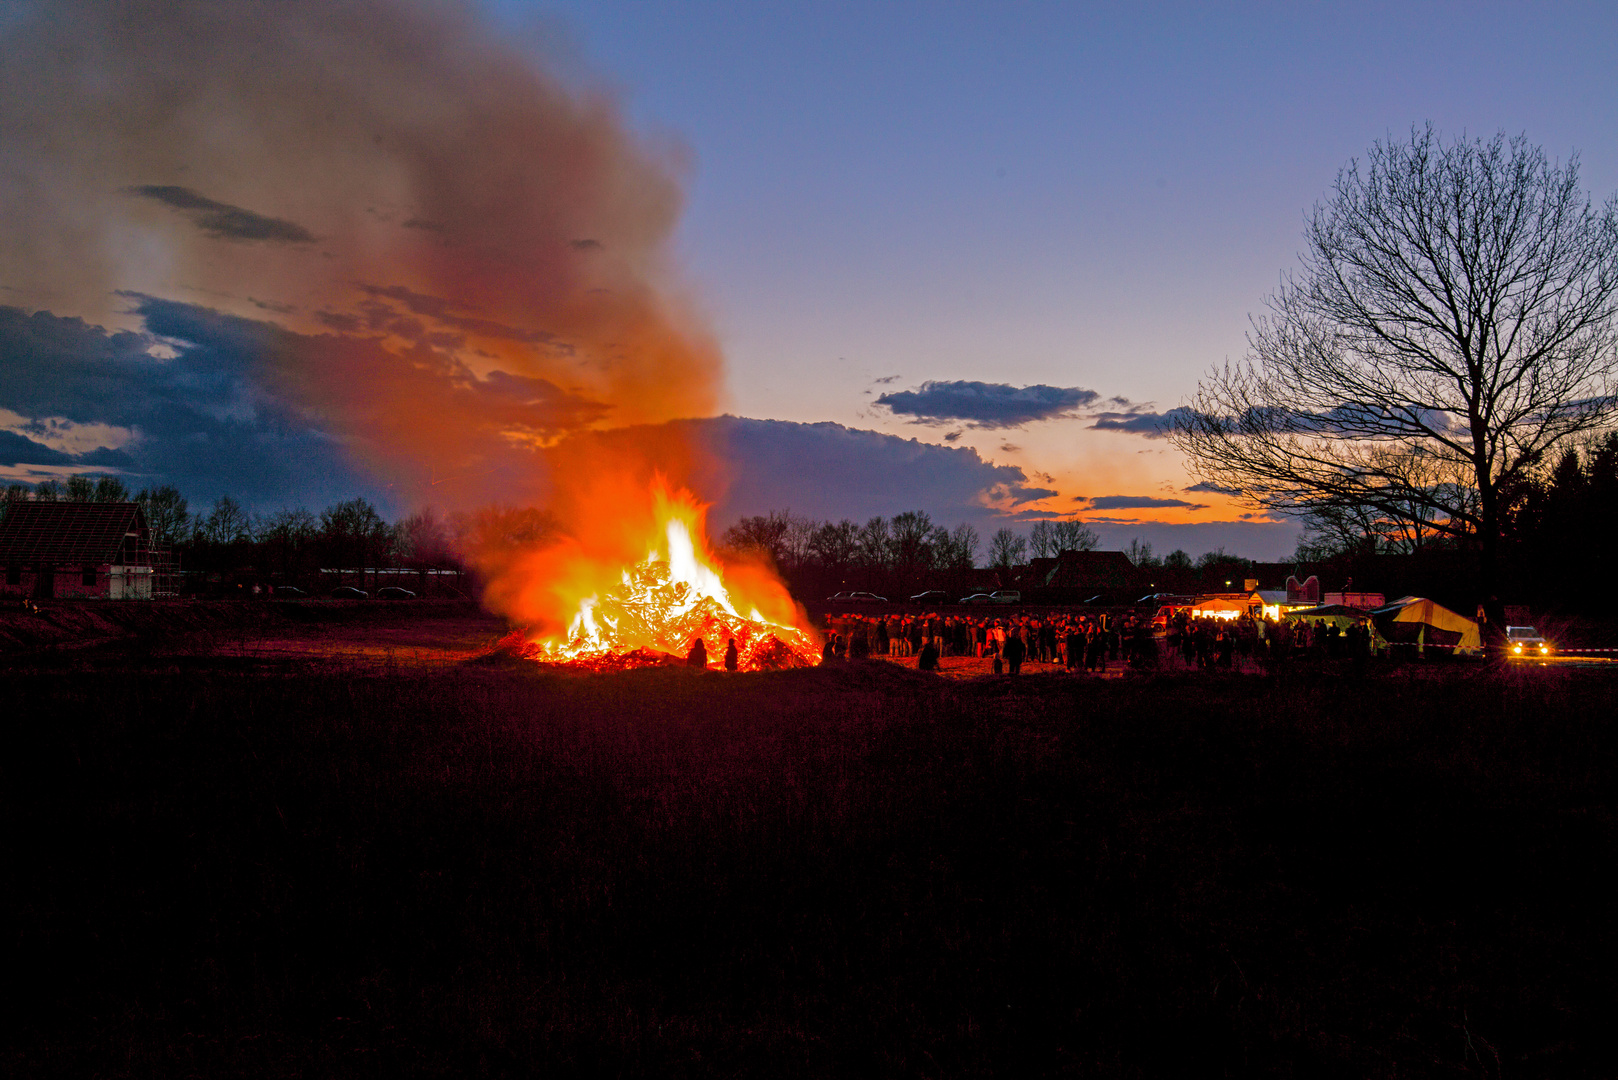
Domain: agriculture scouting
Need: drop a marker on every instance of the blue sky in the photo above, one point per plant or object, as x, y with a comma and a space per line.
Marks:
1076, 195
1081, 199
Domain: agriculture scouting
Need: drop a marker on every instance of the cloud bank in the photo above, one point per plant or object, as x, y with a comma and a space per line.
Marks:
987, 405
1141, 502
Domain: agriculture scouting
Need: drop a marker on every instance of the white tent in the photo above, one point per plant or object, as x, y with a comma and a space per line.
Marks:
1219, 607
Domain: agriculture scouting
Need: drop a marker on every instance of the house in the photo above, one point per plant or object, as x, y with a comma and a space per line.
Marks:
77, 549
1075, 576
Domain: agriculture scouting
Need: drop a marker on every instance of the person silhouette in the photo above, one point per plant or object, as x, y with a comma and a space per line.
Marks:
698, 656
730, 655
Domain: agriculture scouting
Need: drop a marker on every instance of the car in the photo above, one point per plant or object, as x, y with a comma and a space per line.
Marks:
393, 592
856, 598
1006, 596
931, 596
977, 598
289, 592
348, 592
1524, 641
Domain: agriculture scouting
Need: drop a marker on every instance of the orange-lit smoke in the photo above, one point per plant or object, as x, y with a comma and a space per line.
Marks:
462, 259
443, 254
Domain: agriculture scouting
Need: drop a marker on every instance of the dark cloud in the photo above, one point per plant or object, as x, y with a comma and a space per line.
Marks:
231, 412
1009, 448
223, 221
1208, 488
18, 449
827, 470
200, 421
1150, 424
886, 379
1017, 494
951, 436
1140, 502
987, 405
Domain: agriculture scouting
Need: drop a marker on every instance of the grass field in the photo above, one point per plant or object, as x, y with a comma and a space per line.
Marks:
215, 867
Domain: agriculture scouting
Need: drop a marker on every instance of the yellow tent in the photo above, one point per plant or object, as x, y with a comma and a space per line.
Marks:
1419, 620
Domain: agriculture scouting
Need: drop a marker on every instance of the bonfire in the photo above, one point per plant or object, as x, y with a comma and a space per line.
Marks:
659, 606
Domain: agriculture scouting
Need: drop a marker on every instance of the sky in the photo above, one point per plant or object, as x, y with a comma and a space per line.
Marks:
1016, 234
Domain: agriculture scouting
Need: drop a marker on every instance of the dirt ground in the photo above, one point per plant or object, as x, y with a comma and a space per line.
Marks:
319, 633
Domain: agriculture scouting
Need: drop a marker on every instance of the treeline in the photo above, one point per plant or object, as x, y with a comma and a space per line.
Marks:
895, 556
290, 546
1560, 530
1553, 523
898, 556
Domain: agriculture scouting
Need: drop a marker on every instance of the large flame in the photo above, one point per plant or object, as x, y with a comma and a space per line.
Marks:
595, 608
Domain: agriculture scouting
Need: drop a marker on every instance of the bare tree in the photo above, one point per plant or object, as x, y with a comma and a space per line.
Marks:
835, 546
963, 548
875, 544
167, 513
226, 523
110, 489
764, 534
1042, 540
910, 542
1455, 319
1006, 549
1074, 535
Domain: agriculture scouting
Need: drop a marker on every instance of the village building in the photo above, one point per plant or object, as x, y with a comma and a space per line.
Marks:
1074, 576
89, 550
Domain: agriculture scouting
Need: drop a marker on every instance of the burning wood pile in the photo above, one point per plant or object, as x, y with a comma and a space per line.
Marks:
656, 609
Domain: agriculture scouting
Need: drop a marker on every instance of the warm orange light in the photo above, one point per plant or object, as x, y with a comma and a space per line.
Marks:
591, 603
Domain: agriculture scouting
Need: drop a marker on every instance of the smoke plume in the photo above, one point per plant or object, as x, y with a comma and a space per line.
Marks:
417, 240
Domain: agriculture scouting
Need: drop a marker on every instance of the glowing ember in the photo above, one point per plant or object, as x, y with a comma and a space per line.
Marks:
677, 594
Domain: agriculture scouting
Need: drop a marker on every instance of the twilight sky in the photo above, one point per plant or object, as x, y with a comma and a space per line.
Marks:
1013, 232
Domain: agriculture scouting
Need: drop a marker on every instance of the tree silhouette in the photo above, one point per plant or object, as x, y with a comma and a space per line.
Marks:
1454, 322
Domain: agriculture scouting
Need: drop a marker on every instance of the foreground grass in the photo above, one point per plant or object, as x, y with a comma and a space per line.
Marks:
852, 871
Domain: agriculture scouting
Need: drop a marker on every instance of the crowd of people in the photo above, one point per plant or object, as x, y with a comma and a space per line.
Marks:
1088, 641
1073, 641
1218, 643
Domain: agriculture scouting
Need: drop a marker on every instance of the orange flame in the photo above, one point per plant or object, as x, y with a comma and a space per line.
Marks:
596, 606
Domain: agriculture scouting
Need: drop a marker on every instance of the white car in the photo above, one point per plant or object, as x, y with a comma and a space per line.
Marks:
1524, 641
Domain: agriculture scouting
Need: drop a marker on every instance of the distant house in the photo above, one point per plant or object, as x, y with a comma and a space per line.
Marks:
77, 549
1081, 570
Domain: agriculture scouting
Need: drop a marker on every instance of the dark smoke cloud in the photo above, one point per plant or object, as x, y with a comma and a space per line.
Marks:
223, 221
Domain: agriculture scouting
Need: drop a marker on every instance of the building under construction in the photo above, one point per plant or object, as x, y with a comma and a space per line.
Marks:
82, 550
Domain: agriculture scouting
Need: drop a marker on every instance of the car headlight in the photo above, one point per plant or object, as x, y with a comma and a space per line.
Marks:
1516, 648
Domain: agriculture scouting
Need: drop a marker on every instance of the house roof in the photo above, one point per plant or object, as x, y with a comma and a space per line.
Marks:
1087, 569
62, 533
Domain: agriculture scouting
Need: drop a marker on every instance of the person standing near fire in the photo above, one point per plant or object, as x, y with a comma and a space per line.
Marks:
698, 656
730, 655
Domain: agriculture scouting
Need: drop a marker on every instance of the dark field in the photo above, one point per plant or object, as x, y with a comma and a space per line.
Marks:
474, 868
